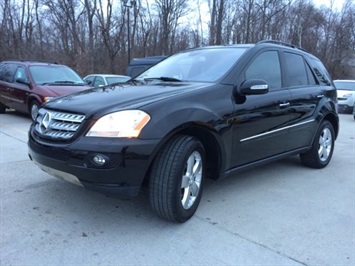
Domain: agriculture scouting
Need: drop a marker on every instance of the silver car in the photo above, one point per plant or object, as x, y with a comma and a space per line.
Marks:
98, 80
346, 95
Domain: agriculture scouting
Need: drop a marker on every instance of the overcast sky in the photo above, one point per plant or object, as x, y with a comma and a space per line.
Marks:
337, 4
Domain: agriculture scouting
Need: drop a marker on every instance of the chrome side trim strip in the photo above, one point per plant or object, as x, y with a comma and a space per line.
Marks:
276, 130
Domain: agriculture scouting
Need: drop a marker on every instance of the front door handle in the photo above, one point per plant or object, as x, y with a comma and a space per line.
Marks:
282, 105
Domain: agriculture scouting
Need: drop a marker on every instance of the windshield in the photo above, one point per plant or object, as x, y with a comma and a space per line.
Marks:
49, 74
350, 86
203, 65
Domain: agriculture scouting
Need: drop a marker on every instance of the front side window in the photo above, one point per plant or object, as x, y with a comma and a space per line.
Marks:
203, 65
21, 74
99, 81
266, 66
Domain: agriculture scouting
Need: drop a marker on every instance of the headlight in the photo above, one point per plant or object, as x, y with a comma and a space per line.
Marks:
123, 124
46, 99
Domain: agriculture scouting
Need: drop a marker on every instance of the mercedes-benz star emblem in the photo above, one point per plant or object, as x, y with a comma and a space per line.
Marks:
45, 122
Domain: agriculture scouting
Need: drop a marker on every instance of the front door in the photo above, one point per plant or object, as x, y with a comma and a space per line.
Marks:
259, 124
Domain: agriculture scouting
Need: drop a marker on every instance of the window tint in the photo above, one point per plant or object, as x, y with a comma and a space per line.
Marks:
266, 66
7, 72
297, 73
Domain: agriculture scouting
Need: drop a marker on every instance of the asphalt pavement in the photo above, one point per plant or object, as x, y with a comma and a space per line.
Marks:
279, 214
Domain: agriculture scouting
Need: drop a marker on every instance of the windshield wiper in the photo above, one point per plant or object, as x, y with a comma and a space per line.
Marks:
164, 79
61, 82
64, 82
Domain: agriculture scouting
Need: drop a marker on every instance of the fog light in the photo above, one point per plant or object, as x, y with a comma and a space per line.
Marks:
99, 159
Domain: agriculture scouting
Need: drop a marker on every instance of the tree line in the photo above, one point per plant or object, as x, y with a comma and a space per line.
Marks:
94, 36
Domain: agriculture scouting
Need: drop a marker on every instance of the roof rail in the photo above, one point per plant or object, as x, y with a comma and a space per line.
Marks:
33, 61
283, 43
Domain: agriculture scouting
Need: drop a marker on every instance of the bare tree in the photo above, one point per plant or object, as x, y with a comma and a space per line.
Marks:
170, 11
111, 31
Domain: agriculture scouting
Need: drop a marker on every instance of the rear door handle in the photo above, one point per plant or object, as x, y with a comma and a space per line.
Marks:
320, 96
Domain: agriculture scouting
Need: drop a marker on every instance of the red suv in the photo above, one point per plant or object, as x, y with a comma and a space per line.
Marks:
25, 85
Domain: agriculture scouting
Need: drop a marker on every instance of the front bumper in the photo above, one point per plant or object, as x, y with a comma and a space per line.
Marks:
344, 108
127, 162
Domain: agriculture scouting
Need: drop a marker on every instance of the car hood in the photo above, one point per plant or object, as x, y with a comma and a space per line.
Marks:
59, 90
120, 97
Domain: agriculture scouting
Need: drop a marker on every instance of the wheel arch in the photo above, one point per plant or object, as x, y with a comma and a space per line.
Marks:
334, 120
30, 99
209, 140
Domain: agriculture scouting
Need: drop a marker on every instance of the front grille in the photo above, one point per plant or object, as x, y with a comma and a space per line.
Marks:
57, 125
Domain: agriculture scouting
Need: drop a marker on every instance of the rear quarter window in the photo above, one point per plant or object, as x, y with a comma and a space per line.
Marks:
321, 72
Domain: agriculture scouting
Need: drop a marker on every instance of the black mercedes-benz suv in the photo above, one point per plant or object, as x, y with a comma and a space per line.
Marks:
205, 112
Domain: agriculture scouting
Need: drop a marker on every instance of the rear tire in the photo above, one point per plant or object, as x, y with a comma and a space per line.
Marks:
322, 148
176, 179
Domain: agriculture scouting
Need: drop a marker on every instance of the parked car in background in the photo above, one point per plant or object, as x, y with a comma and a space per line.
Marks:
138, 65
26, 85
98, 80
346, 95
204, 112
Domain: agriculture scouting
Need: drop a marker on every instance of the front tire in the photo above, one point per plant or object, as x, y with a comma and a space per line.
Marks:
176, 179
322, 148
34, 107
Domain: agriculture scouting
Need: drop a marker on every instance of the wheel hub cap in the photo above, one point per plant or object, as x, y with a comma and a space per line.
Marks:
191, 180
325, 144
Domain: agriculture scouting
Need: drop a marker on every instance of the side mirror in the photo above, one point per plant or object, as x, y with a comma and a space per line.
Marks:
88, 82
254, 87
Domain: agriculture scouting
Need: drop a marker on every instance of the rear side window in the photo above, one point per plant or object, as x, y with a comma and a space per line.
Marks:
298, 71
7, 72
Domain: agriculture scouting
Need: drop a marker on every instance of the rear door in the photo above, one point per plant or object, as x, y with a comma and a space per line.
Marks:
306, 94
